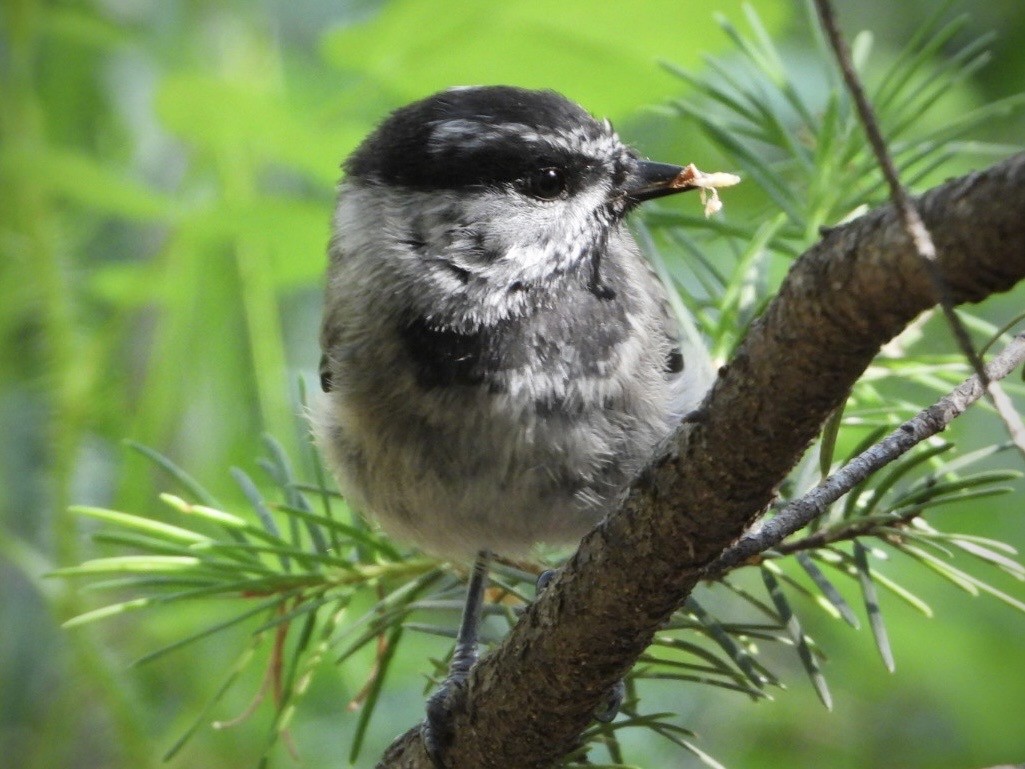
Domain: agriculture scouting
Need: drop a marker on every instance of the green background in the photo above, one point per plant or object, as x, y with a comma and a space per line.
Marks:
167, 172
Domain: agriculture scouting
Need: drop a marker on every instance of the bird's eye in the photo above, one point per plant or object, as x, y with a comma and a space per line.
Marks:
546, 183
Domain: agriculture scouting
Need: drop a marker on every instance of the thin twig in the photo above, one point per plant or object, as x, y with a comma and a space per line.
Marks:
912, 222
928, 422
910, 219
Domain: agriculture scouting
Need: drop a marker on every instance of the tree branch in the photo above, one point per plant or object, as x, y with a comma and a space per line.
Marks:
926, 423
525, 704
913, 224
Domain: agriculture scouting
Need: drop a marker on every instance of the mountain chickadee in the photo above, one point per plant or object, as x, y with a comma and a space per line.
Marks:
499, 361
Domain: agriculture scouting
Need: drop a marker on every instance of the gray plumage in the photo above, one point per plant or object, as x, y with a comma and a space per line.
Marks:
498, 362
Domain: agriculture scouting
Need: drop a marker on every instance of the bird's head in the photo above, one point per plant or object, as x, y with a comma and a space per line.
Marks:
500, 186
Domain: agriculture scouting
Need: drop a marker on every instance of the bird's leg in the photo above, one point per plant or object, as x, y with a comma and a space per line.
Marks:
465, 653
436, 730
609, 706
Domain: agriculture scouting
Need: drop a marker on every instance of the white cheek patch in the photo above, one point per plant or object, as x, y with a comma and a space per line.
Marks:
479, 241
538, 238
518, 222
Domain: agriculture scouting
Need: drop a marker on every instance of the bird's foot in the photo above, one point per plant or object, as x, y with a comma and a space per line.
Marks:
608, 709
436, 729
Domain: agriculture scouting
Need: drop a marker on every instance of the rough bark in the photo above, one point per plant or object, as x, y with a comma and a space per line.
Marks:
526, 703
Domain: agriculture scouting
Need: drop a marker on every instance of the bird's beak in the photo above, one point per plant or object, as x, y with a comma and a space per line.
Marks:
648, 180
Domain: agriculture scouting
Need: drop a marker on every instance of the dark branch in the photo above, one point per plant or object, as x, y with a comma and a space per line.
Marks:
913, 224
526, 704
928, 422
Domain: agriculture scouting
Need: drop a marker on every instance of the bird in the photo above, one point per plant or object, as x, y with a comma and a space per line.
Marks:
499, 360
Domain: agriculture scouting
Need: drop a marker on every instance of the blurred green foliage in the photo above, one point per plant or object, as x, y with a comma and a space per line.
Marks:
166, 182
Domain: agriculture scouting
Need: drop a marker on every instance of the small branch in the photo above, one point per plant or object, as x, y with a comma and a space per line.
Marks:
860, 527
913, 224
909, 217
928, 422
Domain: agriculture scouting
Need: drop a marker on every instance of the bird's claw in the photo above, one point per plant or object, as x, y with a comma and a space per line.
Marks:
609, 706
436, 728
